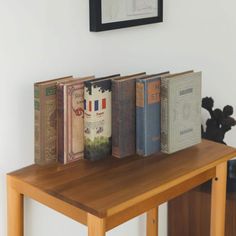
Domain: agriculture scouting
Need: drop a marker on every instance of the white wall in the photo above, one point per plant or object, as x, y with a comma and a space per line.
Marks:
41, 39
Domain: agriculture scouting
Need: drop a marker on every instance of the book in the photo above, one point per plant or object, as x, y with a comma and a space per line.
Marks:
124, 115
148, 114
70, 102
45, 121
180, 111
97, 118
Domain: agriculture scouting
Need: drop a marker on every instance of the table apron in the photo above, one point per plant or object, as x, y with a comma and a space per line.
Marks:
120, 217
148, 204
52, 202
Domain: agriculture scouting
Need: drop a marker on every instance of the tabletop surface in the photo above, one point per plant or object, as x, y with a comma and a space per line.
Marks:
103, 186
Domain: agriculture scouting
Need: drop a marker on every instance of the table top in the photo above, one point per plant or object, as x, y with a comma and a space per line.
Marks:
103, 187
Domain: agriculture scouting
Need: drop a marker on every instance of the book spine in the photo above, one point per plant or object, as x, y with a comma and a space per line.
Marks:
140, 118
37, 121
60, 123
152, 111
98, 120
87, 118
74, 122
126, 118
115, 119
164, 116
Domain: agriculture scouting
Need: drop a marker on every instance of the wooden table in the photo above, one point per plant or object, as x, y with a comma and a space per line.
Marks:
105, 194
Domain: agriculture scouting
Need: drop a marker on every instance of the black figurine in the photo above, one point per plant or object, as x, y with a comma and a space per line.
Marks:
216, 128
219, 123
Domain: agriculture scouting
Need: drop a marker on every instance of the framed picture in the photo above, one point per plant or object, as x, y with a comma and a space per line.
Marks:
114, 14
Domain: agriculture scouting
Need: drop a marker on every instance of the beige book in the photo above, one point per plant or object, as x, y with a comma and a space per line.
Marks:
180, 111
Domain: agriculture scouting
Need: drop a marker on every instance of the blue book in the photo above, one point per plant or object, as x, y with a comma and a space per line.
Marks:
148, 111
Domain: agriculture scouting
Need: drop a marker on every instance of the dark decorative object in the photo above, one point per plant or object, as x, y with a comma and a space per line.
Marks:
219, 123
114, 14
193, 209
216, 128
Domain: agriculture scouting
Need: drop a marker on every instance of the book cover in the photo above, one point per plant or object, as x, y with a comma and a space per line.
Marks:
97, 118
71, 120
124, 115
45, 124
180, 111
148, 111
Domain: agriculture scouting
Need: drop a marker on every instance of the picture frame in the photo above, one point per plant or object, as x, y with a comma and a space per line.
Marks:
115, 14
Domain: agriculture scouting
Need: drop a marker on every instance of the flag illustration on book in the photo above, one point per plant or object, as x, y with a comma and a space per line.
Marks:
97, 118
95, 105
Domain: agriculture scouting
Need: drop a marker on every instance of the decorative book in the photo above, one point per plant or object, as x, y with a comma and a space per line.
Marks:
97, 118
180, 111
124, 115
45, 125
148, 111
71, 120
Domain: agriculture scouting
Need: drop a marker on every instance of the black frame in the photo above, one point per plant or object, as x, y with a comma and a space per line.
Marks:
96, 18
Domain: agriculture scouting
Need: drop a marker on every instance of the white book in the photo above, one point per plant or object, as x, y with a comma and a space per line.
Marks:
180, 111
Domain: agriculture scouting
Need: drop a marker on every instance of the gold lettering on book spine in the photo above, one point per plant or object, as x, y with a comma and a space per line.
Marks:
154, 92
139, 94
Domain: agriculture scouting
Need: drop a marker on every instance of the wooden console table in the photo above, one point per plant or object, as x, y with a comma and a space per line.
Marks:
105, 194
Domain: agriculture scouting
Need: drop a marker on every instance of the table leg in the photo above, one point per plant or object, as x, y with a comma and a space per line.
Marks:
152, 222
15, 211
218, 201
96, 226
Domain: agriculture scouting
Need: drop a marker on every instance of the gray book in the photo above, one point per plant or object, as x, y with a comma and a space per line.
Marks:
180, 111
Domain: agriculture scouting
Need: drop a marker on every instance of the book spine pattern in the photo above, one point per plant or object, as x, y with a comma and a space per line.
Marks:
184, 101
74, 122
98, 120
60, 123
45, 124
37, 136
140, 119
115, 119
126, 118
49, 125
164, 115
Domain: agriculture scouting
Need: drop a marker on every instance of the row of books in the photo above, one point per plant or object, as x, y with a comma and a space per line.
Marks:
93, 118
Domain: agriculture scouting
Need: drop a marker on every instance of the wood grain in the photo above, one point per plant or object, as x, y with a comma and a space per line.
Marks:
96, 226
48, 200
152, 222
15, 211
193, 209
150, 203
218, 201
108, 187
